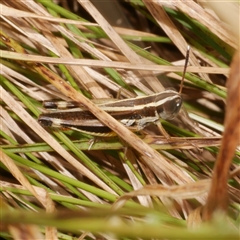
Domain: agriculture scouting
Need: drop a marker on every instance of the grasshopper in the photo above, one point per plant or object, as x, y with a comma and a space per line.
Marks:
134, 113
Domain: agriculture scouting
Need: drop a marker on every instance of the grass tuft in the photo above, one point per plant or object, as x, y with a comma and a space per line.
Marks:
65, 184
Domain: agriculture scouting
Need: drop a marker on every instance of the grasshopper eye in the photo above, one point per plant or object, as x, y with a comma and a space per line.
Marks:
44, 121
171, 108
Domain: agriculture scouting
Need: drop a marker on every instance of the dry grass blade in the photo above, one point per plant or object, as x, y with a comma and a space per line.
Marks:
7, 11
49, 139
186, 191
171, 30
121, 45
41, 195
28, 232
218, 196
160, 142
198, 13
119, 65
8, 162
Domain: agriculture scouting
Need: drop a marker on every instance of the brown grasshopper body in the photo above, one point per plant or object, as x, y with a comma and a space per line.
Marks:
134, 113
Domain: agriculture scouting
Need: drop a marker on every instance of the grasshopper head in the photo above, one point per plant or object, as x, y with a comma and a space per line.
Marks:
171, 107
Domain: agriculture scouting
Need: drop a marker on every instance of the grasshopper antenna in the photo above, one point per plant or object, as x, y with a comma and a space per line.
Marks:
185, 68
